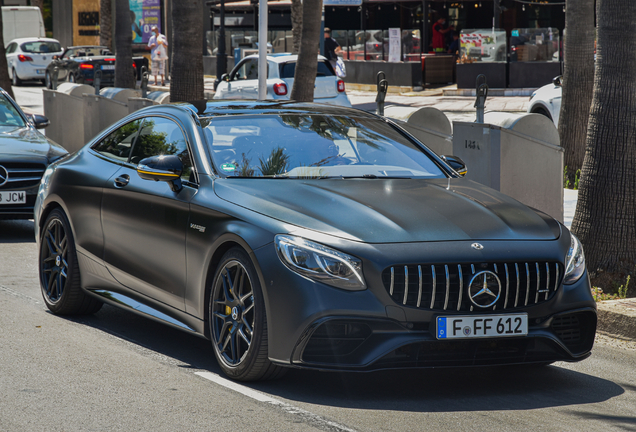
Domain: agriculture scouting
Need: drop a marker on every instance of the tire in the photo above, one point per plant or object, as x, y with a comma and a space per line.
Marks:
71, 78
47, 81
238, 322
543, 112
59, 271
15, 81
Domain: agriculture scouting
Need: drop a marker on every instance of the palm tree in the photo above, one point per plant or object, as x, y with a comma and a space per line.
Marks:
578, 82
297, 24
186, 76
604, 219
305, 77
5, 81
106, 24
124, 74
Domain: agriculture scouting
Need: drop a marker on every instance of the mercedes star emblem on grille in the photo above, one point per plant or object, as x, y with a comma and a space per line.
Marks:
484, 289
4, 175
476, 246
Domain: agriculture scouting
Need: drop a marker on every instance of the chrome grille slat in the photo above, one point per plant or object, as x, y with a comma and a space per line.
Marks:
434, 287
527, 284
461, 286
419, 295
518, 283
556, 281
536, 297
507, 286
447, 288
406, 284
23, 179
392, 280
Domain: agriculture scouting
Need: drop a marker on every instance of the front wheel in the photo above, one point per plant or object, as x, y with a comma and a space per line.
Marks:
15, 81
59, 271
238, 323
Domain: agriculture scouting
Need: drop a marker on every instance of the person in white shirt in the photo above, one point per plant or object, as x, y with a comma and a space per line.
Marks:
158, 54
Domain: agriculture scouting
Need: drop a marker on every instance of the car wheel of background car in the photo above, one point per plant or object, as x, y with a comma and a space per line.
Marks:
71, 78
542, 112
59, 271
238, 324
14, 78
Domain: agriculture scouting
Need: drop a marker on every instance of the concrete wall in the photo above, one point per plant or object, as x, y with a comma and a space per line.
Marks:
495, 74
429, 125
532, 74
99, 113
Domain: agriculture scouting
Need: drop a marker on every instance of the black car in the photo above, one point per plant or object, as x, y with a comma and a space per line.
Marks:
24, 156
79, 64
306, 235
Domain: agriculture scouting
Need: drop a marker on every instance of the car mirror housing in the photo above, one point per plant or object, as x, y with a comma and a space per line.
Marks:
225, 77
456, 163
166, 168
39, 121
558, 81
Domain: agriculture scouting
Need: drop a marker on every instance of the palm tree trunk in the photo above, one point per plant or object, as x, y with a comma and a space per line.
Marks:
305, 77
578, 82
297, 24
605, 218
5, 81
124, 74
186, 79
105, 24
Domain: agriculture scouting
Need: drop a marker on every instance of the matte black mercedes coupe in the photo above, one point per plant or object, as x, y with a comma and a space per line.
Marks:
305, 235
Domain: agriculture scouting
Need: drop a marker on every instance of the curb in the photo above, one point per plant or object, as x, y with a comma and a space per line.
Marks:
617, 318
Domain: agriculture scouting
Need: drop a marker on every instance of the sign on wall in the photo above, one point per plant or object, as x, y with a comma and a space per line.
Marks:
144, 14
395, 45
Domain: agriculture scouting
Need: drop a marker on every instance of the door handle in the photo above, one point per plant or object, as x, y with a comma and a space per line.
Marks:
122, 181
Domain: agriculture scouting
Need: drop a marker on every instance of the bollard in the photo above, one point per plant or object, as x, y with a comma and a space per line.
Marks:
383, 86
97, 81
481, 95
144, 82
54, 77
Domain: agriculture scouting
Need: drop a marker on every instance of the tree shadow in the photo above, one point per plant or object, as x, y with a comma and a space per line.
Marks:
627, 423
17, 231
428, 390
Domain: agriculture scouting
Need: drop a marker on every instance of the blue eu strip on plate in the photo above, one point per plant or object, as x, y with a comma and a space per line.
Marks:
441, 327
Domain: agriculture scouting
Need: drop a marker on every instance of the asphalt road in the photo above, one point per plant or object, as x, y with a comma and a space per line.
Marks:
116, 371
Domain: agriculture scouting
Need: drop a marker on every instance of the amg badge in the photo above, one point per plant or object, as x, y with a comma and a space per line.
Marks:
197, 227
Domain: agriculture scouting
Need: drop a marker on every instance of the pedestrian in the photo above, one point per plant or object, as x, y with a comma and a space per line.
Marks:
439, 32
455, 45
332, 48
158, 54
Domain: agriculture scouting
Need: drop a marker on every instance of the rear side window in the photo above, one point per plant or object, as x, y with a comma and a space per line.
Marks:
117, 144
39, 47
287, 70
11, 48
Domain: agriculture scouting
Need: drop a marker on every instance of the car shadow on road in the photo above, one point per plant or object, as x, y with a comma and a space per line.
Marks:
17, 231
428, 390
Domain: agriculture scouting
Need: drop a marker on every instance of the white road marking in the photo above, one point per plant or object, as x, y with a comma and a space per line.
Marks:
313, 419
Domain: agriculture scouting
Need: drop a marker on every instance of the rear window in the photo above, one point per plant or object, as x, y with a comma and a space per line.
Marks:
287, 70
41, 47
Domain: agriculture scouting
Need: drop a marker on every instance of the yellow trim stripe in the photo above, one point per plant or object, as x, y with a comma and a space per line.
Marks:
157, 174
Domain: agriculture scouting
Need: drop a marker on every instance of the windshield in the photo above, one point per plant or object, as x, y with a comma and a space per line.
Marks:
9, 116
314, 146
40, 47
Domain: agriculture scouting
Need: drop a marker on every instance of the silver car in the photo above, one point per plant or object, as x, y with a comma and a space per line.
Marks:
242, 82
27, 58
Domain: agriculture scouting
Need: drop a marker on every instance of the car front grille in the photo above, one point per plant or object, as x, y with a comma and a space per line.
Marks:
445, 287
22, 175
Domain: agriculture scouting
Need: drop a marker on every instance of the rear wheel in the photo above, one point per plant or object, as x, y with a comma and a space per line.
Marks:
71, 78
238, 322
59, 271
14, 78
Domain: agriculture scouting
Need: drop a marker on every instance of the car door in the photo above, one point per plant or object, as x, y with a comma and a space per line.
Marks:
244, 80
11, 54
145, 222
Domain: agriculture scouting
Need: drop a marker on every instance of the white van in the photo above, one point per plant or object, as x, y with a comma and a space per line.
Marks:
22, 21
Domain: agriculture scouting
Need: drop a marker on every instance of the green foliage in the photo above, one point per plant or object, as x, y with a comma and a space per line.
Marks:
599, 295
244, 169
276, 163
576, 179
566, 180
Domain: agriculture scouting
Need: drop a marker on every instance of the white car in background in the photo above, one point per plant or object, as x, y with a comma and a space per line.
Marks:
547, 100
242, 82
27, 58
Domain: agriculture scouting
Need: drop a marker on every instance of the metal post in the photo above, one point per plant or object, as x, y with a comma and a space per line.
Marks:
144, 82
221, 56
97, 81
383, 86
262, 50
54, 78
481, 95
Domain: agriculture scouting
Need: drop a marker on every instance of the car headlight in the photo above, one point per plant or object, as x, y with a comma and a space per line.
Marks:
320, 263
574, 261
533, 95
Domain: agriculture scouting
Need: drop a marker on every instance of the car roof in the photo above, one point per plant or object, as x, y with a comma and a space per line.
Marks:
86, 46
282, 57
33, 39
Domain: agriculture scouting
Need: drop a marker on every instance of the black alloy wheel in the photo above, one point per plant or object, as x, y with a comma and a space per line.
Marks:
59, 271
238, 326
15, 81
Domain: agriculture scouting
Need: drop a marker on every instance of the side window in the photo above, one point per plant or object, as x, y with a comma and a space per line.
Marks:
160, 136
12, 48
117, 144
248, 70
68, 54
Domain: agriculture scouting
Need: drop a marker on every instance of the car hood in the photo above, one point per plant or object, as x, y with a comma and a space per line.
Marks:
391, 210
28, 143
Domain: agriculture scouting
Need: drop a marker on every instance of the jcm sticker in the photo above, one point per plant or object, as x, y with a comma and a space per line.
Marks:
228, 167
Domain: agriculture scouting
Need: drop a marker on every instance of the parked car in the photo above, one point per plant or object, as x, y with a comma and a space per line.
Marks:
311, 236
547, 100
242, 82
79, 64
27, 58
24, 156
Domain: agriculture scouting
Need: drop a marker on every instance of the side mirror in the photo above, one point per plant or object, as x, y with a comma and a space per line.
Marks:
166, 168
456, 163
558, 81
225, 77
39, 121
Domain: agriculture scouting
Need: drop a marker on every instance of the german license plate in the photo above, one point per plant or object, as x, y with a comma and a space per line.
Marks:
481, 326
108, 67
39, 71
14, 197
